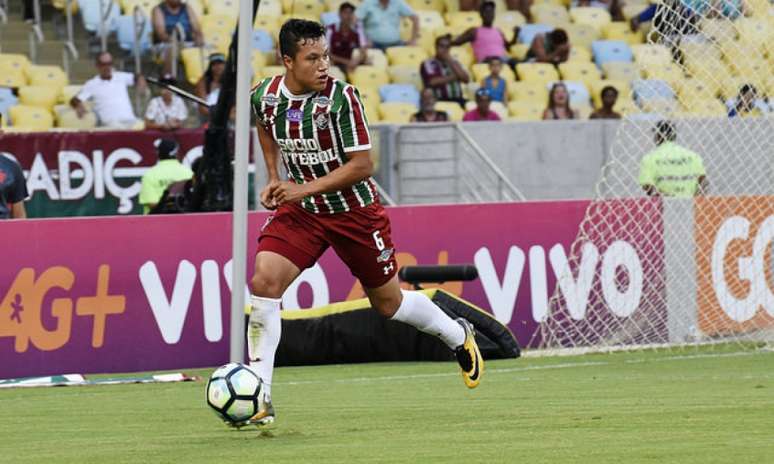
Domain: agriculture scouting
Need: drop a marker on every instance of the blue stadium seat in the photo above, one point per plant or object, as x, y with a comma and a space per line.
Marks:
90, 14
262, 41
652, 89
527, 32
125, 34
329, 17
606, 51
7, 100
399, 93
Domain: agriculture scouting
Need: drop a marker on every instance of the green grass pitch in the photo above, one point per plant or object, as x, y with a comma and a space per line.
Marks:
648, 407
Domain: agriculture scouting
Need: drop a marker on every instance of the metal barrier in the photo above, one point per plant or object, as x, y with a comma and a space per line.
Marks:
104, 31
457, 171
4, 11
36, 32
69, 51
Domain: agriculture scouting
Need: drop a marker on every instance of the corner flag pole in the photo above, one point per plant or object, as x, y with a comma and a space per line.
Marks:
241, 154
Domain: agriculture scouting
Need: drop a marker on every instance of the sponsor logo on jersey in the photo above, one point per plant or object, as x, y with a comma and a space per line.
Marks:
321, 121
295, 115
271, 100
385, 255
321, 101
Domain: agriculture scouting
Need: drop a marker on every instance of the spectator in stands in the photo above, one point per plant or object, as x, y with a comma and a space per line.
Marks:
671, 170
496, 85
746, 103
609, 98
167, 171
427, 111
487, 40
552, 47
108, 90
559, 104
381, 20
443, 74
482, 111
170, 16
612, 6
208, 87
167, 111
13, 189
346, 37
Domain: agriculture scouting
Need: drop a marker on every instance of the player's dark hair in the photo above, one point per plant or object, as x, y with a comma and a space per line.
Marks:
346, 6
297, 32
558, 36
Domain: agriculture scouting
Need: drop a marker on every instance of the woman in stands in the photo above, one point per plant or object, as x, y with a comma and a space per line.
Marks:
208, 87
559, 104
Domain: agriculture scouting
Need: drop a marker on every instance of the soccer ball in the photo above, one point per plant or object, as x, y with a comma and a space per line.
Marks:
232, 392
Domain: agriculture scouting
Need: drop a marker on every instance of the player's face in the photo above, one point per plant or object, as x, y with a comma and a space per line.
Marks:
310, 65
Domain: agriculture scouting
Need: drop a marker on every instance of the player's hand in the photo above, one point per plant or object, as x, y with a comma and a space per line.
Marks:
267, 195
289, 192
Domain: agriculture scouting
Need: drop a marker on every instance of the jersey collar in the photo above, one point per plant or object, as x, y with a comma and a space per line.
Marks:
291, 95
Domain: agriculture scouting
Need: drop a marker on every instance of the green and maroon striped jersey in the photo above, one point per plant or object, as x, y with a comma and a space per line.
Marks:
314, 133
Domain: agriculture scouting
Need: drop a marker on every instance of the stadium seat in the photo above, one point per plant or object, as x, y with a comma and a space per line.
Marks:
542, 72
429, 21
16, 61
370, 96
506, 20
632, 9
196, 5
437, 6
670, 73
452, 109
535, 92
262, 41
621, 71
125, 34
270, 24
223, 8
693, 87
579, 54
396, 113
551, 14
68, 92
42, 96
719, 30
651, 54
399, 93
336, 72
606, 51
520, 50
582, 35
527, 32
270, 71
7, 100
699, 51
585, 72
30, 118
308, 8
260, 59
620, 30
481, 71
579, 93
703, 108
193, 63
91, 14
625, 105
413, 56
369, 76
623, 88
215, 22
67, 118
217, 40
11, 77
61, 4
463, 20
706, 69
53, 76
746, 61
589, 15
464, 55
405, 74
652, 93
376, 58
522, 110
145, 6
271, 8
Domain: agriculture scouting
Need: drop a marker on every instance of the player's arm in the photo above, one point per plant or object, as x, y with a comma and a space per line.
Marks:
358, 167
18, 211
270, 155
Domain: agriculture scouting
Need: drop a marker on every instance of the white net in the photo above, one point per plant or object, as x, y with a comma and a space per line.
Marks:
678, 272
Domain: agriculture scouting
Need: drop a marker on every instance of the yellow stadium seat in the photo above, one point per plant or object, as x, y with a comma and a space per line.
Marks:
405, 74
270, 8
481, 70
430, 21
621, 71
228, 8
704, 108
579, 54
270, 24
693, 86
583, 71
719, 30
625, 105
217, 40
463, 20
67, 118
520, 50
370, 95
506, 20
521, 110
369, 76
451, 5
535, 92
427, 5
220, 23
197, 6
651, 54
670, 73
663, 106
699, 51
592, 16
308, 8
259, 60
52, 76
413, 56
707, 69
376, 58
624, 91
336, 72
582, 35
68, 92
452, 109
551, 14
193, 63
61, 4
564, 3
396, 113
146, 6
372, 114
11, 77
745, 61
16, 61
620, 30
426, 40
270, 71
30, 118
630, 10
42, 96
464, 55
541, 72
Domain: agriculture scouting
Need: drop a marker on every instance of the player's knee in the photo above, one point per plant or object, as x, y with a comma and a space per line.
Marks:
266, 286
387, 306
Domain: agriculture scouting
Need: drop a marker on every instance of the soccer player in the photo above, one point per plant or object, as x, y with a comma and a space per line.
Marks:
317, 126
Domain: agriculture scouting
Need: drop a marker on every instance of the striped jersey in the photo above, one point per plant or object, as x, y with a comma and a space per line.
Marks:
314, 133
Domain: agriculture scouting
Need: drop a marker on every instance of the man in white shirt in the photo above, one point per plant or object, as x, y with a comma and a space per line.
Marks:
108, 90
167, 111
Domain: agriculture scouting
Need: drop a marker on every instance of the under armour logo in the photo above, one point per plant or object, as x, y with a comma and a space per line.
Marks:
388, 268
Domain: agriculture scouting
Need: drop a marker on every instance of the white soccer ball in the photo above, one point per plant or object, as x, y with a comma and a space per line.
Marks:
232, 392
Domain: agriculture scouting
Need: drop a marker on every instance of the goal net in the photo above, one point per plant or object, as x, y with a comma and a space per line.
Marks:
677, 272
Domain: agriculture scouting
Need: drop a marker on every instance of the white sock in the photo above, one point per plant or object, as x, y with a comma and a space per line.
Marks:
418, 310
263, 336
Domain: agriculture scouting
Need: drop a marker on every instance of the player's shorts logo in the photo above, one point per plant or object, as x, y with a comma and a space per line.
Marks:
295, 115
321, 121
385, 255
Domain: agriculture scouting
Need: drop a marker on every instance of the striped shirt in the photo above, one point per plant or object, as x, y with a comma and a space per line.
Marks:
314, 133
433, 67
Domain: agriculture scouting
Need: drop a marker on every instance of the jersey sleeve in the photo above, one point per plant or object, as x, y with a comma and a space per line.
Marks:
353, 125
255, 100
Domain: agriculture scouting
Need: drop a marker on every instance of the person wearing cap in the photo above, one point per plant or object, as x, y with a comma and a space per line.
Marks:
482, 112
208, 86
167, 171
167, 111
671, 170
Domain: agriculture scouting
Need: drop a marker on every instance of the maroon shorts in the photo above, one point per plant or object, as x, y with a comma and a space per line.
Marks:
361, 238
